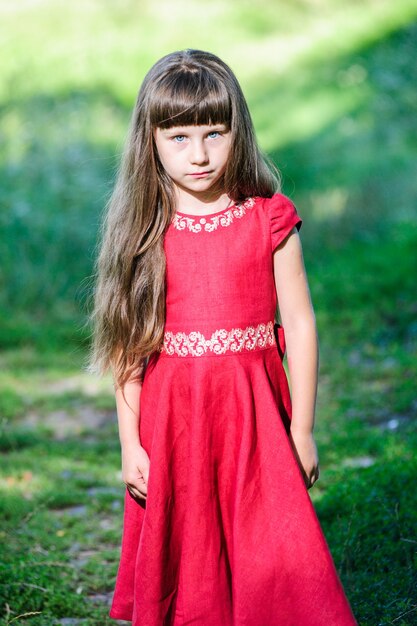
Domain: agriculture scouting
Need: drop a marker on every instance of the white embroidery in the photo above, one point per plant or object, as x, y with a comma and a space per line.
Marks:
197, 225
220, 342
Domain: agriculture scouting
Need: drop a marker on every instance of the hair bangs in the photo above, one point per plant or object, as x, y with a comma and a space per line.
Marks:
190, 98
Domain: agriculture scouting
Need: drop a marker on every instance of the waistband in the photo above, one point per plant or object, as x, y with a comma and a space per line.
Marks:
224, 341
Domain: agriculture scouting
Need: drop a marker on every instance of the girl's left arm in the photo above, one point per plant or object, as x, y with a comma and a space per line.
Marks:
299, 323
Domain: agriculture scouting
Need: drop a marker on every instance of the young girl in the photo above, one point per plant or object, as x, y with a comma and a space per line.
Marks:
198, 251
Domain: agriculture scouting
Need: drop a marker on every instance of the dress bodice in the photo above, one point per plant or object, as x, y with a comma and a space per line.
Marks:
220, 266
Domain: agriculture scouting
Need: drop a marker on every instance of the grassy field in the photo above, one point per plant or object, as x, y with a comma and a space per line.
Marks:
332, 92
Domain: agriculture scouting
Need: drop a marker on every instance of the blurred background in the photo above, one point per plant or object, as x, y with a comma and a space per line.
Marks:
332, 90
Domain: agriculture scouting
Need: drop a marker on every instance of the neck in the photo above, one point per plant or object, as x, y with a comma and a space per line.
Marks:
188, 202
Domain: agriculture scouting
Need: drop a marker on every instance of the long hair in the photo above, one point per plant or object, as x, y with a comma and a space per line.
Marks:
189, 87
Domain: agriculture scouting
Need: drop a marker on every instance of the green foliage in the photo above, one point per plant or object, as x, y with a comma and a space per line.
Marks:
332, 90
370, 516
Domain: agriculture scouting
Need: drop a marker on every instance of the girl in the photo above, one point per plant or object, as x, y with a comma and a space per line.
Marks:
198, 250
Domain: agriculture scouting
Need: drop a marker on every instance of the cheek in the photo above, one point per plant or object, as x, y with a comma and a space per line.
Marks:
172, 162
163, 150
225, 152
165, 157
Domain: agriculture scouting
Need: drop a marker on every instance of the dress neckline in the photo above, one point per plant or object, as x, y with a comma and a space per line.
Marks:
211, 221
229, 206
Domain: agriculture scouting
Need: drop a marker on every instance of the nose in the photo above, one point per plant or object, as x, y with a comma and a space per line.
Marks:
198, 154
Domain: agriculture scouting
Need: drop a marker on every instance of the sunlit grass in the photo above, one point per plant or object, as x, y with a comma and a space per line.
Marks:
86, 42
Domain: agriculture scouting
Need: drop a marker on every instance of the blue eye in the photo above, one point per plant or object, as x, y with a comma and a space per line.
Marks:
178, 137
214, 132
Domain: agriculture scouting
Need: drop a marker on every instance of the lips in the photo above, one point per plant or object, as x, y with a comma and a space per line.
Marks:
198, 174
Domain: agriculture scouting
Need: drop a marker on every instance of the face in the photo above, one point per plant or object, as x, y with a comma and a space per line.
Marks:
195, 157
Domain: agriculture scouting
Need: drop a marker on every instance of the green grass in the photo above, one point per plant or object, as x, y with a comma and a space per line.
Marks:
332, 91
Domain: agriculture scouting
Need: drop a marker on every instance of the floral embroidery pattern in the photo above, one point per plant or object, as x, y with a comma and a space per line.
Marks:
221, 341
208, 224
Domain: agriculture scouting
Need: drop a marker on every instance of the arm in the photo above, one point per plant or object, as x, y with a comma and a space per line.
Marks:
128, 414
298, 321
135, 460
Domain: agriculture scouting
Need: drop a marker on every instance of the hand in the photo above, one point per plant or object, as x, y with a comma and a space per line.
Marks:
306, 453
135, 471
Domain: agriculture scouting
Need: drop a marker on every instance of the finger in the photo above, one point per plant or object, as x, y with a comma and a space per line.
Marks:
145, 474
143, 489
141, 486
141, 483
136, 494
137, 489
310, 481
137, 482
314, 478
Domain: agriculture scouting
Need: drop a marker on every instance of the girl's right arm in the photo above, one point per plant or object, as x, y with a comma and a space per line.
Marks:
135, 460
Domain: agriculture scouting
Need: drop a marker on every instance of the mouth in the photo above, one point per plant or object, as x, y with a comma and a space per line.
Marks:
199, 174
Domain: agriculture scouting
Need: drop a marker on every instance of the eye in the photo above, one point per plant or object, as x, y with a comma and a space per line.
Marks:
214, 132
179, 137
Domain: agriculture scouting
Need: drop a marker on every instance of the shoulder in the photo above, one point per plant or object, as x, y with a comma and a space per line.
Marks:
278, 203
282, 215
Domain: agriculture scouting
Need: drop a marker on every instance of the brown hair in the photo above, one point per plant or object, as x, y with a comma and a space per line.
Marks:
188, 87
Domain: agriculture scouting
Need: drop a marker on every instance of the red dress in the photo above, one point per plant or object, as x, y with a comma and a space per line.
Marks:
228, 535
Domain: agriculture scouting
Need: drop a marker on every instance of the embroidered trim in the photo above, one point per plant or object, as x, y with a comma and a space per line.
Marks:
220, 342
208, 224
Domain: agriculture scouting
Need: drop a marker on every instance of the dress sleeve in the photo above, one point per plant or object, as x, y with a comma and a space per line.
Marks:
283, 217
